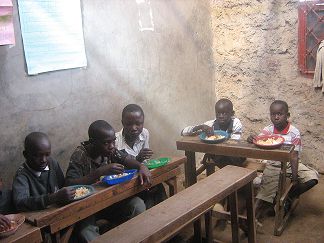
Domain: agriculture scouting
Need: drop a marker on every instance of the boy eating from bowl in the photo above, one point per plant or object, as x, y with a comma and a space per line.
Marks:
39, 181
224, 121
134, 140
99, 157
302, 176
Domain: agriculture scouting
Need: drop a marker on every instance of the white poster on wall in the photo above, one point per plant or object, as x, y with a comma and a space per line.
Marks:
52, 35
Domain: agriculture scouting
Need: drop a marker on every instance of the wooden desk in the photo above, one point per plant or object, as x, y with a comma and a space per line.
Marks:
163, 221
58, 218
241, 149
25, 233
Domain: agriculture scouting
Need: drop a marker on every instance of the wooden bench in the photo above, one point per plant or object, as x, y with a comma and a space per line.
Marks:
25, 233
164, 220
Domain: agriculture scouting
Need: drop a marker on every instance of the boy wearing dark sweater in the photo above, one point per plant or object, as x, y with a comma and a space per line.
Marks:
39, 181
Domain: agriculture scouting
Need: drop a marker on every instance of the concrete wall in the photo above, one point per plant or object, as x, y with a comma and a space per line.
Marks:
167, 71
255, 52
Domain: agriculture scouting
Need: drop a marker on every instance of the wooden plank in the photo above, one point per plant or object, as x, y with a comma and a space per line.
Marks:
54, 213
25, 233
234, 217
190, 169
237, 148
249, 197
176, 212
98, 205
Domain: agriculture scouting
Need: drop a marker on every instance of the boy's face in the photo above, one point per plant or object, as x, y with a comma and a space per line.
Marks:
105, 144
133, 123
278, 116
224, 113
37, 154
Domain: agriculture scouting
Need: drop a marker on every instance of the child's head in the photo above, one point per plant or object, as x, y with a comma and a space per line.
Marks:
133, 121
102, 137
224, 112
37, 150
279, 114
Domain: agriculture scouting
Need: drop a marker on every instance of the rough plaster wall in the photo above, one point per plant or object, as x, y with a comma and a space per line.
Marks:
167, 71
255, 55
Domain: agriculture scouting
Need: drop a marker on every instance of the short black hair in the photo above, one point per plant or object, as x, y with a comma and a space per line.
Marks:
32, 138
96, 127
281, 102
132, 108
225, 101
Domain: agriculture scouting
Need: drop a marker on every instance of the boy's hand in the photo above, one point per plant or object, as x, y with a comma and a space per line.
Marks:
250, 138
207, 129
111, 169
144, 154
144, 175
64, 195
4, 223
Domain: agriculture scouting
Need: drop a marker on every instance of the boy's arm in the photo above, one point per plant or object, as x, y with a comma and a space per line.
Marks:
143, 172
22, 199
192, 130
74, 174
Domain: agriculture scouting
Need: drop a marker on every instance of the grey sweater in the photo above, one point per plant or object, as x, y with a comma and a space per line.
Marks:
30, 192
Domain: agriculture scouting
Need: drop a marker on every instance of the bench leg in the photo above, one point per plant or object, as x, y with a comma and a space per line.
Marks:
172, 184
197, 231
250, 211
234, 217
278, 228
190, 169
209, 226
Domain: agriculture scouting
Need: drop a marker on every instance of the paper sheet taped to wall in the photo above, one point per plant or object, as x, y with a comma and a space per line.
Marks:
7, 34
52, 34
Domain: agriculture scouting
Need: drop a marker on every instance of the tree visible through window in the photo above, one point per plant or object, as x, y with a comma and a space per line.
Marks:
310, 33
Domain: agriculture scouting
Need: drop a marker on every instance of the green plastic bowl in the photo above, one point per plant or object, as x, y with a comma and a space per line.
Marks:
156, 163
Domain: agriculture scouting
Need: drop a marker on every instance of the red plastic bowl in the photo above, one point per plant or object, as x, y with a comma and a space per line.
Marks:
259, 138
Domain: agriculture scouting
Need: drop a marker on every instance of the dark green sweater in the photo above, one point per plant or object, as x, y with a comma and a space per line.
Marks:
31, 192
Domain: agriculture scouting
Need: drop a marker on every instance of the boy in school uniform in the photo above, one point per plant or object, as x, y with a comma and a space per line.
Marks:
303, 177
134, 140
39, 181
98, 157
224, 121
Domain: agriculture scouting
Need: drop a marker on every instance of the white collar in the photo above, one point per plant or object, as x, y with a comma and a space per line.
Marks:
37, 173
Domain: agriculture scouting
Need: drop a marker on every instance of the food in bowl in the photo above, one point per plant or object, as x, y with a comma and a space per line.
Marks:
13, 225
80, 192
215, 137
270, 141
119, 175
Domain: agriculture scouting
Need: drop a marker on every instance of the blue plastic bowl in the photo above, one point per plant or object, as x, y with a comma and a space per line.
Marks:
110, 180
203, 136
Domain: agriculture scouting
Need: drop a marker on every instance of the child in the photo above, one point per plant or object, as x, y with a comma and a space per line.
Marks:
98, 157
303, 177
224, 121
134, 140
39, 181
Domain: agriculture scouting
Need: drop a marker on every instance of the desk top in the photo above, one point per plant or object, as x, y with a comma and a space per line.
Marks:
164, 219
235, 148
25, 233
104, 196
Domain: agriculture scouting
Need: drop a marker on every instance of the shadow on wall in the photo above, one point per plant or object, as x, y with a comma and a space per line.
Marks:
168, 71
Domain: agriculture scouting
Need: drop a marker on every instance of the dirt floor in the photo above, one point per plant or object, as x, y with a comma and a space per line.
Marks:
305, 225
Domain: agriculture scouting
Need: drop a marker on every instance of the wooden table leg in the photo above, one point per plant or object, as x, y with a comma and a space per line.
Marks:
234, 217
250, 211
209, 226
67, 234
278, 228
197, 231
190, 169
190, 179
172, 184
